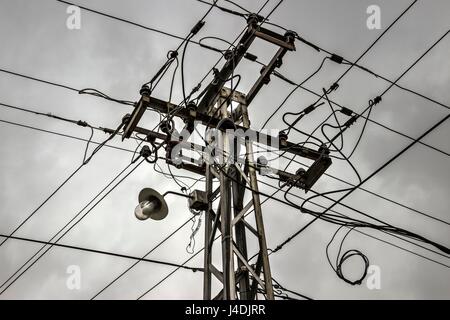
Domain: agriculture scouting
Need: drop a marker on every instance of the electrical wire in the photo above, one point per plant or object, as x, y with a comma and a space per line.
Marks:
267, 22
377, 39
369, 120
303, 164
292, 92
386, 226
39, 80
107, 253
165, 278
123, 20
349, 191
85, 161
340, 259
277, 284
99, 94
358, 223
348, 62
61, 134
142, 259
363, 233
5, 284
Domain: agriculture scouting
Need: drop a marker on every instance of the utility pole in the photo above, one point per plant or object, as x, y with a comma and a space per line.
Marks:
239, 278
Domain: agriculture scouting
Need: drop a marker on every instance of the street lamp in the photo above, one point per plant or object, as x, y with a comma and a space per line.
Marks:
153, 205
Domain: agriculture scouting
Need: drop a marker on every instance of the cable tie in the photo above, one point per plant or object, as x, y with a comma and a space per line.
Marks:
346, 111
196, 88
336, 58
377, 100
351, 121
309, 109
197, 27
334, 87
82, 123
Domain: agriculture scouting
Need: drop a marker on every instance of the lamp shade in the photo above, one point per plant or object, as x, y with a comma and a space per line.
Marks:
151, 205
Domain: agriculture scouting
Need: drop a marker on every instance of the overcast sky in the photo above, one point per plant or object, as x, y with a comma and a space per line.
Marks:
117, 58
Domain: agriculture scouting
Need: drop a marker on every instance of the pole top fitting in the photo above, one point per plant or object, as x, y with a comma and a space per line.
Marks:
283, 136
228, 54
145, 152
126, 118
145, 90
290, 36
253, 19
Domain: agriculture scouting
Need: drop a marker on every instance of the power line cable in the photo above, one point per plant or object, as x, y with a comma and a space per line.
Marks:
377, 39
362, 116
71, 227
85, 162
319, 215
267, 22
342, 60
366, 234
292, 92
124, 20
61, 134
142, 259
352, 185
39, 80
108, 253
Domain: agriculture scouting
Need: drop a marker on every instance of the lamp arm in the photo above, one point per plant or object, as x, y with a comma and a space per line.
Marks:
177, 193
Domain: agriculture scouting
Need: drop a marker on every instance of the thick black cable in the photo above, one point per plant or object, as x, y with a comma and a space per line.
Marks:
358, 223
373, 193
107, 253
368, 235
440, 247
39, 80
369, 108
